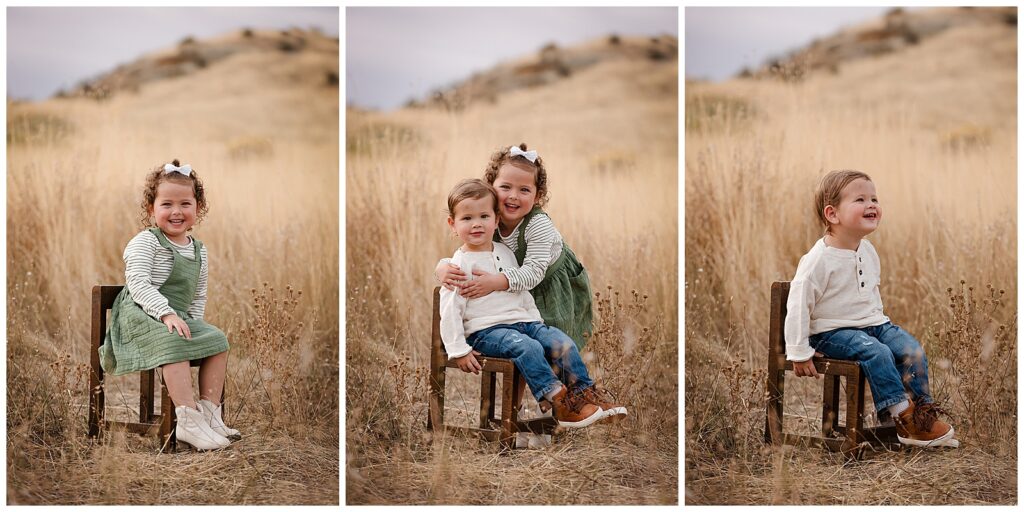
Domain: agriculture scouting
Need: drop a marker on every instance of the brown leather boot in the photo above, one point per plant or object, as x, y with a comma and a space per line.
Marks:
573, 411
601, 397
919, 425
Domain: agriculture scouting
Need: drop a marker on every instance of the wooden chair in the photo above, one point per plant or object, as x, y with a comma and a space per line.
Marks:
162, 424
852, 434
502, 429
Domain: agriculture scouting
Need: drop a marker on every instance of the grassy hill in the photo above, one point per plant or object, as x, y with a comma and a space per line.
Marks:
256, 114
608, 135
932, 119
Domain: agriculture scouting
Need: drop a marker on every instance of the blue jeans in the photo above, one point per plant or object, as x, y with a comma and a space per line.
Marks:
890, 357
530, 345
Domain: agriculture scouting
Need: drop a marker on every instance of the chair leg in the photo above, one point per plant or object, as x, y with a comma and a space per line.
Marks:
168, 420
95, 399
488, 381
854, 411
830, 406
508, 433
146, 396
435, 417
776, 395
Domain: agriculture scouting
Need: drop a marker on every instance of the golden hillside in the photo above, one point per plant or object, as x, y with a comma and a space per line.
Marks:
259, 124
932, 118
955, 66
608, 134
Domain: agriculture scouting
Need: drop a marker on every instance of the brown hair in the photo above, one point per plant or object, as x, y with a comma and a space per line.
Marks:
501, 156
829, 189
473, 188
158, 176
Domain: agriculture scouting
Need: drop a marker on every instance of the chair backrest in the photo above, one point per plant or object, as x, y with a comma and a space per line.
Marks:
436, 346
102, 299
776, 325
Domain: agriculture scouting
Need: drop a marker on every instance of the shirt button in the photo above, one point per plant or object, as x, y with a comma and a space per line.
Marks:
862, 284
497, 258
861, 272
500, 269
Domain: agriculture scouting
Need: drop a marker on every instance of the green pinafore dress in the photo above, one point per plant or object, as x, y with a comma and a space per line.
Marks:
563, 296
136, 341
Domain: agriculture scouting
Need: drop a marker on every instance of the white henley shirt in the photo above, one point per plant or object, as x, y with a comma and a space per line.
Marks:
461, 317
833, 288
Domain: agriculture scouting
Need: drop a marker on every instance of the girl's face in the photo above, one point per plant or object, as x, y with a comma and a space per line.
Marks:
859, 212
174, 210
474, 222
517, 193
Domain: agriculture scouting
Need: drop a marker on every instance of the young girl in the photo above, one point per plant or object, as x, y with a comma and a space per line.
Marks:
835, 309
157, 319
507, 323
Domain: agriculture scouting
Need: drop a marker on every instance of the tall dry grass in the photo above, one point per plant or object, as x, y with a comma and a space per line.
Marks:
611, 155
947, 242
74, 176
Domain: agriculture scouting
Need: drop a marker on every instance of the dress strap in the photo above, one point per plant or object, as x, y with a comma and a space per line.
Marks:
521, 236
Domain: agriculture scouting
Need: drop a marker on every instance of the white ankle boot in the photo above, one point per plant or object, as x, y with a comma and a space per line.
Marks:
193, 429
213, 415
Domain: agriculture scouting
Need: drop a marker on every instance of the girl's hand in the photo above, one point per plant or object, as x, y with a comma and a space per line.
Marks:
468, 363
450, 276
173, 321
484, 284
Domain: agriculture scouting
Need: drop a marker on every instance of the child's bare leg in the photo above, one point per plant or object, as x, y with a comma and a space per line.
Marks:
211, 377
178, 379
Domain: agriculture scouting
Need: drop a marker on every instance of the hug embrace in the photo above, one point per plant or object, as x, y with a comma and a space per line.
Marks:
514, 289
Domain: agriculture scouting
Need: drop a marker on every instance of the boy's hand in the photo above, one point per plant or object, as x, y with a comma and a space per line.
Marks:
806, 368
483, 284
450, 276
173, 321
468, 362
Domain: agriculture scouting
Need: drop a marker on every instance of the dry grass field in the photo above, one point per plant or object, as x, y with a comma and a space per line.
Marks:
608, 136
935, 127
261, 129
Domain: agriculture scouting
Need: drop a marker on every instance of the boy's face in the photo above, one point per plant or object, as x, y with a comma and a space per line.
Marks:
474, 222
858, 213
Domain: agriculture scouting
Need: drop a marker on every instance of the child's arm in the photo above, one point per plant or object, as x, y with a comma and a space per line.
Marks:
139, 259
446, 272
805, 290
453, 332
541, 238
197, 308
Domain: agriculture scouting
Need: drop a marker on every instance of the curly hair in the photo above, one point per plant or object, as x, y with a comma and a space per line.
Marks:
158, 176
501, 157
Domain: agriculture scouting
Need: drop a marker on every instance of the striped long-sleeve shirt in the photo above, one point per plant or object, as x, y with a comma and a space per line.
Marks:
147, 265
543, 247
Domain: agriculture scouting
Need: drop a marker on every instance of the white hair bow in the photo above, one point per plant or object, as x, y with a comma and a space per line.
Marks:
185, 169
529, 155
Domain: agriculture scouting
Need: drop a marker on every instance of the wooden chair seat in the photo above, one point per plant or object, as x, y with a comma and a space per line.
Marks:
503, 429
852, 434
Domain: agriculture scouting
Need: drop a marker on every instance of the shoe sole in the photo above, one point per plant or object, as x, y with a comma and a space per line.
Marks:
585, 422
946, 440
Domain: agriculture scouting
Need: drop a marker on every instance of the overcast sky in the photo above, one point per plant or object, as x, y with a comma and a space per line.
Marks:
49, 48
720, 41
397, 53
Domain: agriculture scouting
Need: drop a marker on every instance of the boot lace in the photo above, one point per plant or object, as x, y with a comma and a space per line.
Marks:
926, 414
575, 400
